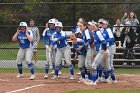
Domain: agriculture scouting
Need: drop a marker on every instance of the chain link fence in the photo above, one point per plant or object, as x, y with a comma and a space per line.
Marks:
68, 13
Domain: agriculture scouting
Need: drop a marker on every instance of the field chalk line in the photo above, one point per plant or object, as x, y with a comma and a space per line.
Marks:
4, 80
25, 88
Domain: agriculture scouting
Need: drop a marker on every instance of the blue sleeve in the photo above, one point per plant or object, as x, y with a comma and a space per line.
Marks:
82, 44
110, 40
103, 42
62, 37
52, 43
45, 38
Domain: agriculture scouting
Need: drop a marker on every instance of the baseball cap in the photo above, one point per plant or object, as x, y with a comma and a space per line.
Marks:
23, 24
59, 24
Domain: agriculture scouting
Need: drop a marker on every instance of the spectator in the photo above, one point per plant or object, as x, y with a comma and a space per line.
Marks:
128, 40
36, 37
132, 18
117, 30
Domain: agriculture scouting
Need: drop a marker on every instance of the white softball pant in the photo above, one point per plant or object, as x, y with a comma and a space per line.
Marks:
101, 59
25, 54
66, 52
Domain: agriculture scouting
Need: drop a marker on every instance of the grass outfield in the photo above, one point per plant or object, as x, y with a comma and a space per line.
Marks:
117, 71
107, 91
10, 54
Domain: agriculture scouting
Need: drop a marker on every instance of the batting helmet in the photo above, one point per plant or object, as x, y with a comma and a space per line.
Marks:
23, 24
51, 21
59, 24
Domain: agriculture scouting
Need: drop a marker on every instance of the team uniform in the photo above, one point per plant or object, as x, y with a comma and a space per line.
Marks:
25, 52
81, 56
101, 58
50, 53
108, 35
90, 52
63, 49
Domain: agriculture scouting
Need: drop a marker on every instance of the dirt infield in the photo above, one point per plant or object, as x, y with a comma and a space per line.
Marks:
10, 84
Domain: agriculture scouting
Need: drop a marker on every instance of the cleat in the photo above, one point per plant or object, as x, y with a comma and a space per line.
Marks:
19, 75
72, 77
107, 81
32, 77
46, 76
86, 81
101, 79
91, 83
114, 81
81, 80
54, 77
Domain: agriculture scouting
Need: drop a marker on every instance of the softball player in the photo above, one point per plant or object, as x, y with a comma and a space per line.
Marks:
108, 35
36, 37
59, 38
102, 56
25, 38
50, 50
87, 39
101, 69
81, 51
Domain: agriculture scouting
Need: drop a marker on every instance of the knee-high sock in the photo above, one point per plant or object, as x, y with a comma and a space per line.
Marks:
111, 72
100, 71
31, 67
94, 74
82, 70
57, 67
106, 74
88, 73
19, 68
46, 68
71, 69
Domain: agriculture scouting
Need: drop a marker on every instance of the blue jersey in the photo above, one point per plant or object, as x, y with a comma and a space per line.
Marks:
62, 39
98, 40
83, 51
108, 35
87, 37
47, 34
23, 40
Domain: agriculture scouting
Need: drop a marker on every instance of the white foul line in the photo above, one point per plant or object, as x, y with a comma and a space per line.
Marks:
4, 80
25, 88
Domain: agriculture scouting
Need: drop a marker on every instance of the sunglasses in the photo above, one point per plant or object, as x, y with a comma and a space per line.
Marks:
100, 22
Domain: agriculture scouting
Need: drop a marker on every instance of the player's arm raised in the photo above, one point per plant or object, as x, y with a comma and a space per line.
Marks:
14, 38
29, 36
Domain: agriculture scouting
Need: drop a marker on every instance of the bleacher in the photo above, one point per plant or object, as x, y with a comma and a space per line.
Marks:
118, 57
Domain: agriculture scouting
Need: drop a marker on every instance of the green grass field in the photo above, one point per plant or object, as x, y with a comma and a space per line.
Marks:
38, 70
10, 54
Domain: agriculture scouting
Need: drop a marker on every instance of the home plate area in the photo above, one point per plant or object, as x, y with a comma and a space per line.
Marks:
9, 83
